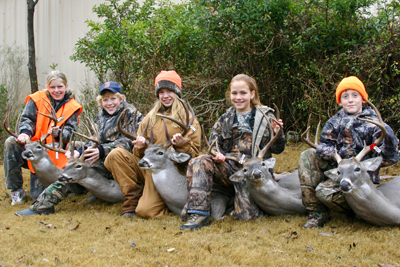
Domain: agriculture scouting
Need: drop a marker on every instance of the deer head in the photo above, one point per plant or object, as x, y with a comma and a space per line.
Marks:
256, 170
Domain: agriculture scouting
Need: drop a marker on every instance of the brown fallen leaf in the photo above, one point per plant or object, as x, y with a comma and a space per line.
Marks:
179, 233
73, 229
19, 260
7, 228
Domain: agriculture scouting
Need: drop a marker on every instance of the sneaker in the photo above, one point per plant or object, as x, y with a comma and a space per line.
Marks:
196, 221
17, 196
129, 214
316, 219
29, 211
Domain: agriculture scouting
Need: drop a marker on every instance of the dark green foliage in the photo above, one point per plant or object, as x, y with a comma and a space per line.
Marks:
298, 50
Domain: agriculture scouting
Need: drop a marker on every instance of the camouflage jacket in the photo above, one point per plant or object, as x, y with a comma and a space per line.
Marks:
27, 123
346, 133
107, 124
222, 130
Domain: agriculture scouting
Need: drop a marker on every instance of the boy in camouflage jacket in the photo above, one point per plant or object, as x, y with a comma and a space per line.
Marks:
346, 134
113, 104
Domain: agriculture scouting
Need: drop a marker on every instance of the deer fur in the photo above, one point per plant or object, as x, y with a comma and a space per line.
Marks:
274, 197
46, 171
171, 185
377, 205
79, 171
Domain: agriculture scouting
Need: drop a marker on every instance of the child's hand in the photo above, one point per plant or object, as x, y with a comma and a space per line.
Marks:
275, 126
219, 158
140, 142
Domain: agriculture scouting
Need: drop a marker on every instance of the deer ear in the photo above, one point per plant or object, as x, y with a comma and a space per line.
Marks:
237, 176
270, 162
179, 157
373, 163
333, 174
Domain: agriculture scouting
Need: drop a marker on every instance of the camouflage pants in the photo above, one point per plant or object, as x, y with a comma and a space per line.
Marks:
319, 193
13, 162
203, 175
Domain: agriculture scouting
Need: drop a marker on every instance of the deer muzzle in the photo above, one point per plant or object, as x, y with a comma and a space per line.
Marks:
28, 155
346, 185
65, 179
257, 174
144, 164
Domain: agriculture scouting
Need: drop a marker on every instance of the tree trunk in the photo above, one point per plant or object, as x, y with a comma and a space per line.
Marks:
31, 46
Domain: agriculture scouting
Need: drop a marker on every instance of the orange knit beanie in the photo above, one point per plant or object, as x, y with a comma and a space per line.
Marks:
169, 80
352, 83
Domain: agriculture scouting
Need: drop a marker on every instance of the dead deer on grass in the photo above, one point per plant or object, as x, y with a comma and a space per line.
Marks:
273, 197
79, 171
377, 205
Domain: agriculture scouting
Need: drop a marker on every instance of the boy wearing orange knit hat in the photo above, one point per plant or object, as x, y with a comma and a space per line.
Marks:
345, 134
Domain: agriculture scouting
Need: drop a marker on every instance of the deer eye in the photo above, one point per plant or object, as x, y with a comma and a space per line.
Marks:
160, 153
357, 169
79, 166
38, 147
244, 170
338, 172
263, 164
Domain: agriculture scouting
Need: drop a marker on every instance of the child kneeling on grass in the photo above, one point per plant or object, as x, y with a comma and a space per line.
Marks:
346, 134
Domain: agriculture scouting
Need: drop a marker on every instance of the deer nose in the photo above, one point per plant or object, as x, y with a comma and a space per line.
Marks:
346, 185
142, 163
257, 174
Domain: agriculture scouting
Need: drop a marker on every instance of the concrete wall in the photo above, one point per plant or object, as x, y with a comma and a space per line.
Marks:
58, 26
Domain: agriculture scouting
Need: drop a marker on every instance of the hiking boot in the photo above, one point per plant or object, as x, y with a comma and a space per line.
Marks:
129, 214
316, 219
29, 211
196, 221
17, 196
34, 209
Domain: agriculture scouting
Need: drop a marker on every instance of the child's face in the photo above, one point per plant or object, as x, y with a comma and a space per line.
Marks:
57, 89
241, 96
166, 97
351, 101
110, 102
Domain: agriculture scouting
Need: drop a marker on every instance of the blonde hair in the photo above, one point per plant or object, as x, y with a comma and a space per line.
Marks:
106, 94
56, 74
176, 108
251, 83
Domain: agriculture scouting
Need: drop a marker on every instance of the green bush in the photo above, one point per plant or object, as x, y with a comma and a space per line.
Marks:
298, 50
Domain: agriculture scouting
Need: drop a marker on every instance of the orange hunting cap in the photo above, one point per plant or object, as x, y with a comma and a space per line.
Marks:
169, 80
352, 83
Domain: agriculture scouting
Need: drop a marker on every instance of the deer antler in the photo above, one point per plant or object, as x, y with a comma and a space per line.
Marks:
133, 135
212, 153
168, 143
52, 117
274, 136
306, 138
53, 148
7, 123
188, 124
96, 136
380, 124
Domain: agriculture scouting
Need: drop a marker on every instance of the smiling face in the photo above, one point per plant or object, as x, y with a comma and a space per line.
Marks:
110, 102
166, 97
57, 89
241, 96
351, 101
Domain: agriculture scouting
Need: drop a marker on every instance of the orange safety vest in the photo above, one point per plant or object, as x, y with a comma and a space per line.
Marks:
43, 123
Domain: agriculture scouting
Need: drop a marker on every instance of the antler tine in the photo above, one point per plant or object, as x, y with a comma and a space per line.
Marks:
186, 126
212, 153
278, 112
380, 124
72, 144
96, 133
274, 136
7, 123
52, 148
53, 114
133, 135
306, 139
168, 143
